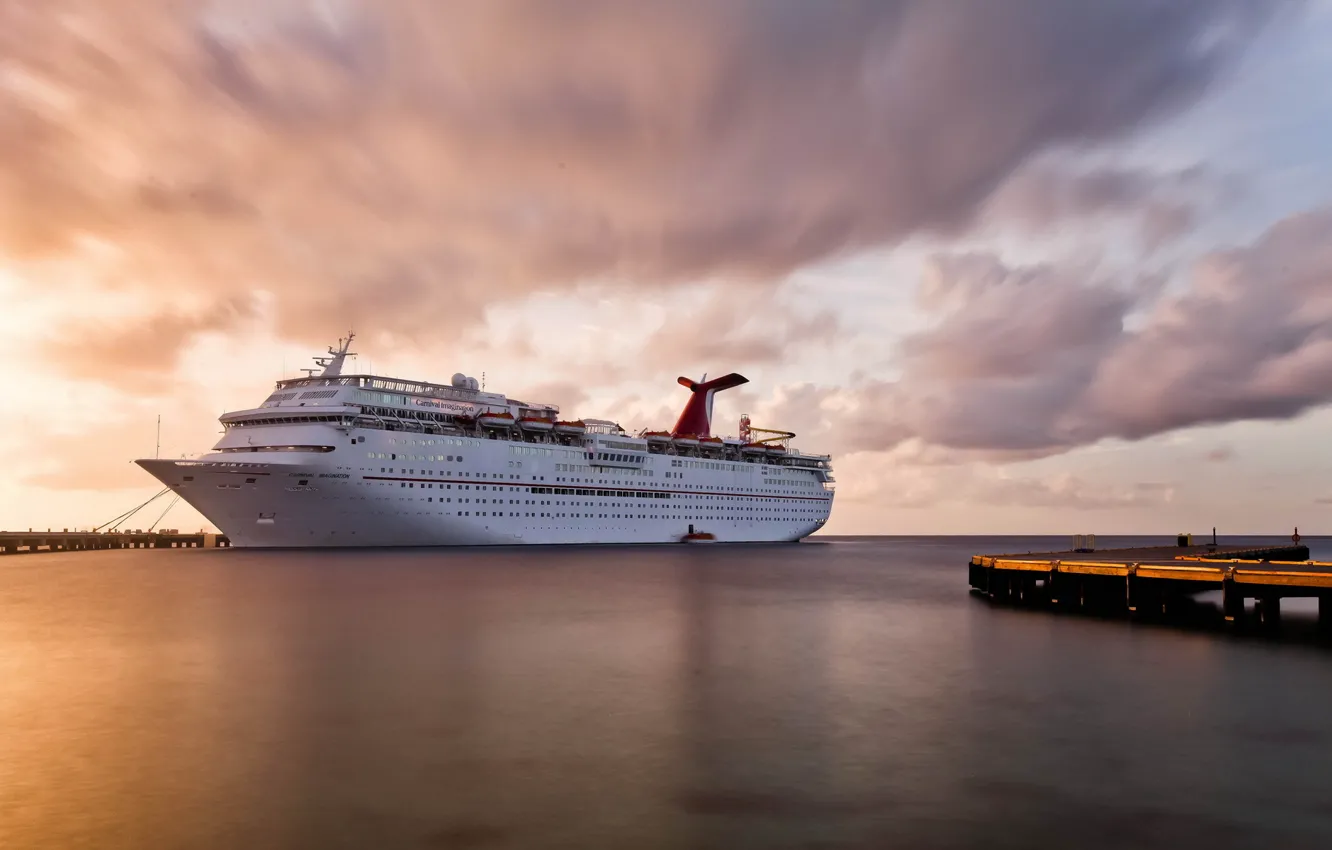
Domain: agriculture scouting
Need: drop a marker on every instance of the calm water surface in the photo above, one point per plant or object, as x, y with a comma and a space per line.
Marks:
845, 694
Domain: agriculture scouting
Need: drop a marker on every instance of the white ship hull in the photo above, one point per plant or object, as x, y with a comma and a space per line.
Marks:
386, 488
361, 460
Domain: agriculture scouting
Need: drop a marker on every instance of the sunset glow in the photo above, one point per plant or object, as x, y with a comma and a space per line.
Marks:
1033, 266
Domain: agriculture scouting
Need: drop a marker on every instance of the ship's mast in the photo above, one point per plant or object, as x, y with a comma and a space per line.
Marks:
333, 363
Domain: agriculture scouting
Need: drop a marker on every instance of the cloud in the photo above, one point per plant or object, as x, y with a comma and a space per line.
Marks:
569, 396
1250, 339
1070, 491
1220, 454
136, 355
405, 163
1041, 359
735, 328
896, 484
1001, 369
96, 454
1163, 205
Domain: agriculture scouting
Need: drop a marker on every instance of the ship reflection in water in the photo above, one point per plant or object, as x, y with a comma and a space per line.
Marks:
844, 694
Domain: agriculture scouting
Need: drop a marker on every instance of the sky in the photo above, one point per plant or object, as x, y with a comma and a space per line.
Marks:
1022, 266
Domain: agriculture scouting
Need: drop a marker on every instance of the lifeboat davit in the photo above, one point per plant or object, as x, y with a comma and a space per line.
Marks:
686, 441
754, 449
495, 420
657, 438
712, 444
776, 450
571, 429
531, 423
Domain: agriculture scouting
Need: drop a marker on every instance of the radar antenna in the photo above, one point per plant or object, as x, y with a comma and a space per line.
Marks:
332, 364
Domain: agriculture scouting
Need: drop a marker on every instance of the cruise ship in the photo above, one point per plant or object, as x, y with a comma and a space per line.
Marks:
334, 460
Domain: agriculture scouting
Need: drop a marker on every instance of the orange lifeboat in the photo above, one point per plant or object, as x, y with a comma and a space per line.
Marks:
686, 441
658, 438
495, 420
532, 423
576, 428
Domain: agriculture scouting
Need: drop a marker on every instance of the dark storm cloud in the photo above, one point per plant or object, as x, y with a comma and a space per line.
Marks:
407, 162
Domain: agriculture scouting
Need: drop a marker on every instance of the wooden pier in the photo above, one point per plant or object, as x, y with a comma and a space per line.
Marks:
24, 542
1152, 581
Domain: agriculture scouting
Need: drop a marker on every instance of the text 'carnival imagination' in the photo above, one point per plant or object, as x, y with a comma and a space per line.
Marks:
358, 460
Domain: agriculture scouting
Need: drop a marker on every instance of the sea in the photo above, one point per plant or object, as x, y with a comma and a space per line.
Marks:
838, 693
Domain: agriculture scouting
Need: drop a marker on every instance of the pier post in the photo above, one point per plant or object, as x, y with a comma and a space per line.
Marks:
1325, 612
1268, 609
978, 576
1062, 591
1232, 598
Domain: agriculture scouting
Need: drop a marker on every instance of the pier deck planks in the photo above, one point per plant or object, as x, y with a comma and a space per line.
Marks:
1151, 576
21, 542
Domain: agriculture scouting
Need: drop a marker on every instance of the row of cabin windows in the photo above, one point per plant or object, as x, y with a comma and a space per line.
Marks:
571, 490
612, 516
288, 420
575, 491
554, 515
558, 515
429, 458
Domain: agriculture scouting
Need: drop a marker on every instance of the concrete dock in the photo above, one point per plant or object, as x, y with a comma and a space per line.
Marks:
1150, 581
23, 542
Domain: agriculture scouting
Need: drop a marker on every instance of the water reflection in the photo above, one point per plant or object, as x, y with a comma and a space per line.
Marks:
850, 694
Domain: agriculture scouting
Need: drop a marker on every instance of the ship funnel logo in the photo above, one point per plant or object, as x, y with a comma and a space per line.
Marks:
696, 418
